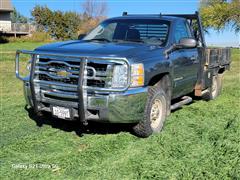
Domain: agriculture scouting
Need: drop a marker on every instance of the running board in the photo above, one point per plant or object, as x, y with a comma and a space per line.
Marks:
204, 92
185, 100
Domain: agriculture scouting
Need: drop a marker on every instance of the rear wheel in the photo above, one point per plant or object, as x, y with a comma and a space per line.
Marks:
215, 90
156, 111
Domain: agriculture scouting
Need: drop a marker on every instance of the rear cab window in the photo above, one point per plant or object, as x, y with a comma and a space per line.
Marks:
150, 31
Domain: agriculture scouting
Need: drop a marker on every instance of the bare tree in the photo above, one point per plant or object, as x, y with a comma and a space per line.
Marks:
95, 9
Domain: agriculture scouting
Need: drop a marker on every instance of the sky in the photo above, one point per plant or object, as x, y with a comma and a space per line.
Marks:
116, 7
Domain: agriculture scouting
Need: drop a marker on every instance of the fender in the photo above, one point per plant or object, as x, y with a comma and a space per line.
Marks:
155, 71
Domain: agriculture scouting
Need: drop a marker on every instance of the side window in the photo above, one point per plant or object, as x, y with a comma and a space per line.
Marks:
181, 31
189, 30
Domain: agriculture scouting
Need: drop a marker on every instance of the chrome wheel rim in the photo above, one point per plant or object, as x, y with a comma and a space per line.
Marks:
156, 113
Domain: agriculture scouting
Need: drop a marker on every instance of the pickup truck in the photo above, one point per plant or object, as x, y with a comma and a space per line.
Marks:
130, 69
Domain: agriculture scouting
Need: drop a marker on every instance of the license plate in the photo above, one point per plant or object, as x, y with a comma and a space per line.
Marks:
61, 112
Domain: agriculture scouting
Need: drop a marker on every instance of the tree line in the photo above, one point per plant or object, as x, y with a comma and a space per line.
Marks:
67, 25
62, 25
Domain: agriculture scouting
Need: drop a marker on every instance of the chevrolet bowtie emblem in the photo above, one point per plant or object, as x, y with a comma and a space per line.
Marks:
63, 73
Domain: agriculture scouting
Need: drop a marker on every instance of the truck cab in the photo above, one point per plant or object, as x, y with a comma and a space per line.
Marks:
130, 69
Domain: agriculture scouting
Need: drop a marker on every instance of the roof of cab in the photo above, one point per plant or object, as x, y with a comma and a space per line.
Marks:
161, 17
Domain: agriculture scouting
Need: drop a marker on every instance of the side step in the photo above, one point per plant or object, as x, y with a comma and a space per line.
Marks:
204, 92
185, 100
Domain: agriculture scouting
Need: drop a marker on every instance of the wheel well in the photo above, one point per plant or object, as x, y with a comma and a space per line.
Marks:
164, 81
156, 79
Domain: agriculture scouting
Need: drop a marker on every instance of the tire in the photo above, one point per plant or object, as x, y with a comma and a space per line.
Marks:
215, 90
156, 111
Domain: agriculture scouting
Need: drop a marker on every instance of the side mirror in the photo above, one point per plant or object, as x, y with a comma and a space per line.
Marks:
187, 43
183, 43
81, 36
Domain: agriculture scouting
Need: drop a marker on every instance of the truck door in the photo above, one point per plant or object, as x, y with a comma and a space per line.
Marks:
185, 62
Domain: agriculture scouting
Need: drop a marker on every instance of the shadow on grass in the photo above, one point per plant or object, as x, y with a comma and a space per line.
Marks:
91, 128
76, 126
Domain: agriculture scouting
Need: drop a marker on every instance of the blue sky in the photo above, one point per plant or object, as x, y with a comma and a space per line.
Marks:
116, 7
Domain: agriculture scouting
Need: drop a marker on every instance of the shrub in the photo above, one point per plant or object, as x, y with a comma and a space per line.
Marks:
3, 39
40, 37
35, 37
60, 25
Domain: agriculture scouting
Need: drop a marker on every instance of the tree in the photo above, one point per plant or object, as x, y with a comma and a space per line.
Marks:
93, 13
67, 25
60, 25
73, 22
219, 14
94, 9
42, 15
16, 17
88, 24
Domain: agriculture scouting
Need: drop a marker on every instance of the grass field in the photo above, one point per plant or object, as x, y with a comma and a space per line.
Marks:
199, 141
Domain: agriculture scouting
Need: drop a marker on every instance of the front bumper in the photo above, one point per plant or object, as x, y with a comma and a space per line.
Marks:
115, 107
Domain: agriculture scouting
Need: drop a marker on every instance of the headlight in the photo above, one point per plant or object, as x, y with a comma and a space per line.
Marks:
137, 75
120, 76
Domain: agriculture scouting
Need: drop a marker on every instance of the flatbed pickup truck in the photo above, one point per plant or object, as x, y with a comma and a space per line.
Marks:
129, 69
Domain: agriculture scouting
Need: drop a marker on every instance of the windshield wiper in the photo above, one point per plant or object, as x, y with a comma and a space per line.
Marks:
134, 40
128, 40
100, 39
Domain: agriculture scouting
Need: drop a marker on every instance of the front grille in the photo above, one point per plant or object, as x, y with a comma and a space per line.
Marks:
96, 83
51, 69
45, 77
56, 76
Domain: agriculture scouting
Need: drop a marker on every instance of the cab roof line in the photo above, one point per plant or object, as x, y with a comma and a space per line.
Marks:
187, 16
126, 14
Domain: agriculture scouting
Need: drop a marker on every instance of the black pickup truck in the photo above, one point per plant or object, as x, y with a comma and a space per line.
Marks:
129, 69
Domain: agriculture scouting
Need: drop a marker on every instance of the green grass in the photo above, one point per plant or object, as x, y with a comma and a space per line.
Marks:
16, 45
199, 141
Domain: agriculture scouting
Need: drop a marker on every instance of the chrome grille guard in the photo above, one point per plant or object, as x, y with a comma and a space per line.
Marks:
81, 87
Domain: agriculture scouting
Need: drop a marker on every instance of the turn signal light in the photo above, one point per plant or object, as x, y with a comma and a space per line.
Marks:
137, 75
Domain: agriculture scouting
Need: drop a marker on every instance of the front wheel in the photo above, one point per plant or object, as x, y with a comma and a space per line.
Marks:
155, 112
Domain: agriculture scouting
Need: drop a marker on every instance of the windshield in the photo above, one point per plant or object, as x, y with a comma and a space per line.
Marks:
150, 31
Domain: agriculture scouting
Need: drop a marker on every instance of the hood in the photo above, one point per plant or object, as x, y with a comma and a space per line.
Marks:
86, 48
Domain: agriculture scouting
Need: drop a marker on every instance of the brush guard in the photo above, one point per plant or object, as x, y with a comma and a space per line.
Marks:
82, 87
